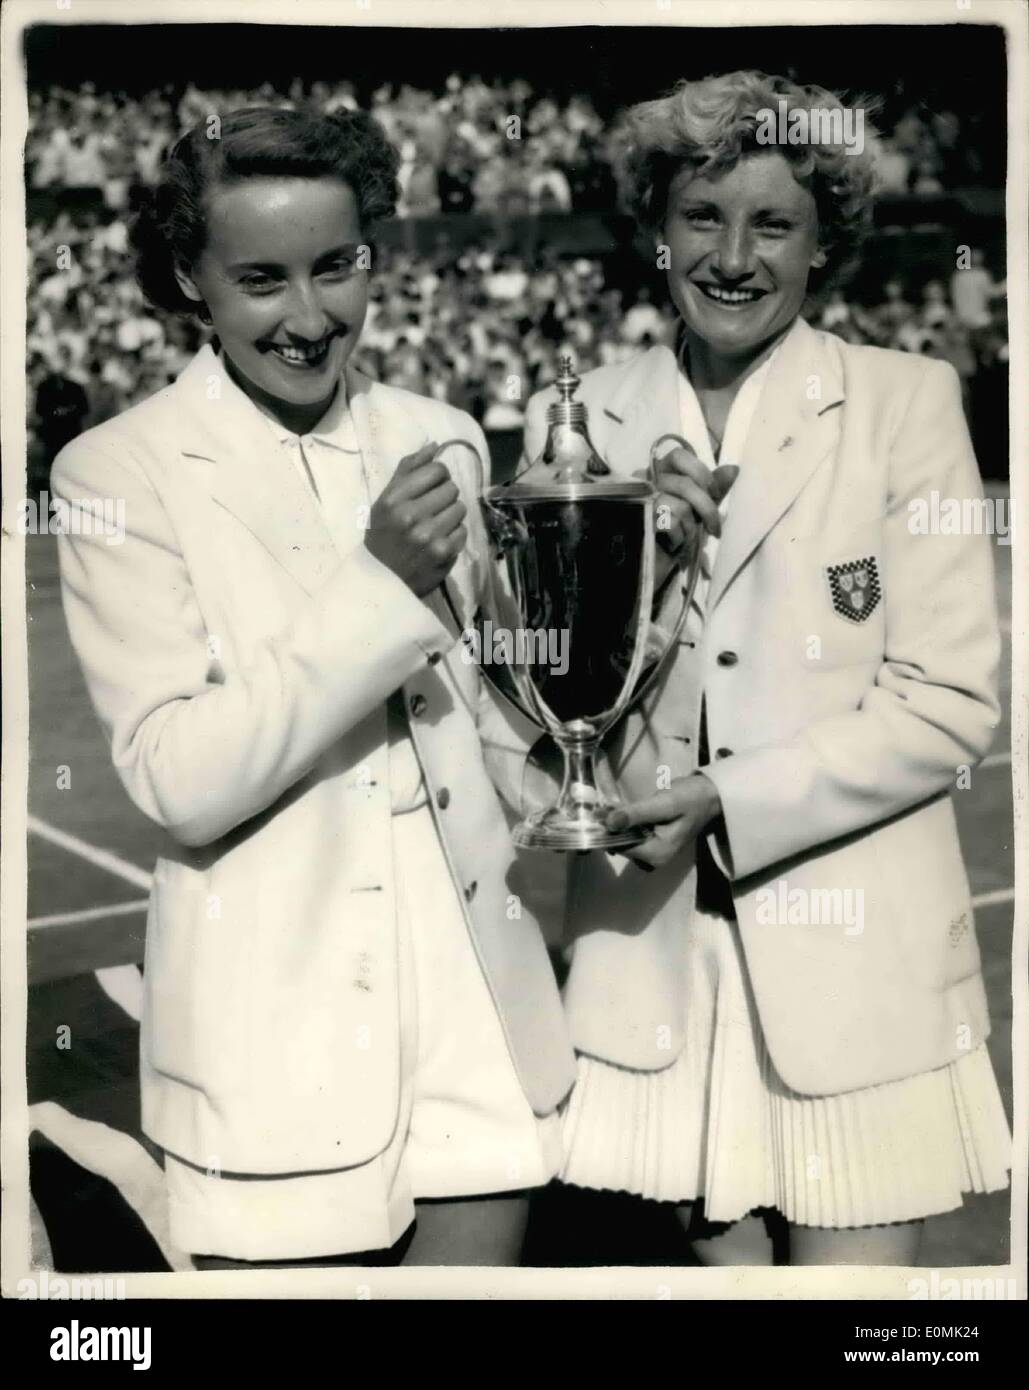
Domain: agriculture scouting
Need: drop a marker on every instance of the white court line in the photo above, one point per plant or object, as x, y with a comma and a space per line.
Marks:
119, 1158
124, 985
102, 858
86, 914
998, 895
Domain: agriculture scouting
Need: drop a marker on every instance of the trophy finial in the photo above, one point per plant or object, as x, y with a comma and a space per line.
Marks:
567, 382
568, 455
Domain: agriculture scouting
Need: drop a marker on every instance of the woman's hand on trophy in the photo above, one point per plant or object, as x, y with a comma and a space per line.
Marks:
689, 497
416, 527
676, 817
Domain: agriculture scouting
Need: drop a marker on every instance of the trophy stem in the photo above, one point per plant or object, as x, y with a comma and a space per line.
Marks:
577, 820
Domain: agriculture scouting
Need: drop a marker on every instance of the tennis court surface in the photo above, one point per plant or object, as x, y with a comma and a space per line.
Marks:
96, 1180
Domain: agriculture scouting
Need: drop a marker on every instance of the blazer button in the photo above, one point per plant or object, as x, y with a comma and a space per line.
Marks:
469, 892
418, 704
435, 658
443, 798
727, 658
724, 753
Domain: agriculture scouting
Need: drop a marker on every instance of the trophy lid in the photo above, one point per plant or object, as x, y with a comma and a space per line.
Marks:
569, 467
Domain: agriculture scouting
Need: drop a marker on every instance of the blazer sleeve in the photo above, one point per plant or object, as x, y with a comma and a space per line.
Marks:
933, 706
201, 749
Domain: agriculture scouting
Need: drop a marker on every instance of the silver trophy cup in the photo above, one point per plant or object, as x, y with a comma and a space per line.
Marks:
564, 630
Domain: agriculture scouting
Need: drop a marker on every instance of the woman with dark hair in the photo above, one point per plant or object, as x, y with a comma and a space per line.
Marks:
349, 1009
788, 1012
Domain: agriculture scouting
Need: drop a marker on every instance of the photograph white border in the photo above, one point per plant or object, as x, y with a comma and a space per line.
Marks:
413, 1283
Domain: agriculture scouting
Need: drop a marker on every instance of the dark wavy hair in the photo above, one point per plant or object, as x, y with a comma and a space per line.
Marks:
257, 141
709, 124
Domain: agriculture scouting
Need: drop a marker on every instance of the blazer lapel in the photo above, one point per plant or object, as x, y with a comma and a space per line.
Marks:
386, 431
644, 407
248, 473
790, 435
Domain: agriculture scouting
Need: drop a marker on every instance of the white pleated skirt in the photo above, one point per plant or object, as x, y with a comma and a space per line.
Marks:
720, 1124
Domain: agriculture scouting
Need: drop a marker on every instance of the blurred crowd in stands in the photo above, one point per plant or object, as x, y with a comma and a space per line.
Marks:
963, 322
471, 146
480, 147
478, 326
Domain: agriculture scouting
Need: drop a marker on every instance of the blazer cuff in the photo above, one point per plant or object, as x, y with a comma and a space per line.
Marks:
728, 837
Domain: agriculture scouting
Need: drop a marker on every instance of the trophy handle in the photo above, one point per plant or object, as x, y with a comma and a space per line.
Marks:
480, 468
650, 675
480, 480
499, 677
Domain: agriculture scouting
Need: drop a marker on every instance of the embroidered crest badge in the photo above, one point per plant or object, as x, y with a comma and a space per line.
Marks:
855, 588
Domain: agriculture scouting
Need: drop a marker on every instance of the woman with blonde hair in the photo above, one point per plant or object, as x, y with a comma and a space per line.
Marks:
788, 1012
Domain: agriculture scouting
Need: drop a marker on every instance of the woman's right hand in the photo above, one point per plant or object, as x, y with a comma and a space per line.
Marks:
689, 496
416, 526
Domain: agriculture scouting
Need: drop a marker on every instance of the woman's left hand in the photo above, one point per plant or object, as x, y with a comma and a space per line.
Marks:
676, 816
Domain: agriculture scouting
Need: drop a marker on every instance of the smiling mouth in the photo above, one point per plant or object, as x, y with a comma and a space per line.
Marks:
729, 299
303, 358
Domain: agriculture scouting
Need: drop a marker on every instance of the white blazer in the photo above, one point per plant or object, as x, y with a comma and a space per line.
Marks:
240, 669
835, 732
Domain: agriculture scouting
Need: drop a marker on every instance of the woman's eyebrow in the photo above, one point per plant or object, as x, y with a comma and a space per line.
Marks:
255, 265
695, 200
345, 248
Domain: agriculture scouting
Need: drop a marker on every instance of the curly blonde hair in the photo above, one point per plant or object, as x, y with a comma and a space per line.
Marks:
709, 124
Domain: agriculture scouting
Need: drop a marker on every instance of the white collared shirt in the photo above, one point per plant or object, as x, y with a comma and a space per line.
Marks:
329, 460
737, 427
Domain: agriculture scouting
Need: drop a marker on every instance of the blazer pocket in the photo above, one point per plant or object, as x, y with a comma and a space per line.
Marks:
934, 919
836, 591
172, 1034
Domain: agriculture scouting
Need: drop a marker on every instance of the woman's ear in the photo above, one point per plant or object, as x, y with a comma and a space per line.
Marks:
818, 259
185, 283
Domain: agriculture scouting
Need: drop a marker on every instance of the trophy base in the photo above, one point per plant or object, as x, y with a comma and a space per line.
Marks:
554, 832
